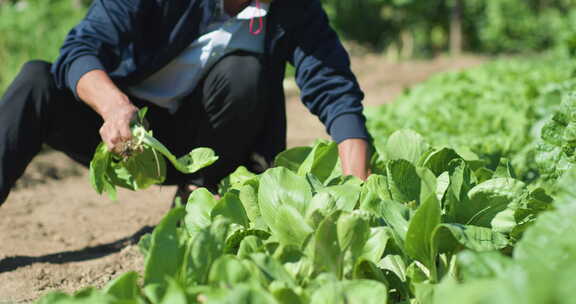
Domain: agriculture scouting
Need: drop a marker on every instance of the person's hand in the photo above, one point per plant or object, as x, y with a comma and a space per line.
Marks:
354, 157
98, 91
115, 130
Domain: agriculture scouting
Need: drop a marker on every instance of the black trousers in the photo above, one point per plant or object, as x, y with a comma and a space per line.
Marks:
225, 113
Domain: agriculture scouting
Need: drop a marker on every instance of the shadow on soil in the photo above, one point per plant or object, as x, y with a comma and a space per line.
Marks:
88, 253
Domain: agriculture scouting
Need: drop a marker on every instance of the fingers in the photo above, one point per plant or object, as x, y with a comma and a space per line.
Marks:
116, 131
124, 133
114, 135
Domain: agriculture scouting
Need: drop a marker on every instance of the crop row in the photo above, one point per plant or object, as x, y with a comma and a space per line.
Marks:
458, 216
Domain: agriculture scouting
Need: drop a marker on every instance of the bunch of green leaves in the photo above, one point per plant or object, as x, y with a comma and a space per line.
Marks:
541, 269
558, 150
303, 233
141, 162
496, 110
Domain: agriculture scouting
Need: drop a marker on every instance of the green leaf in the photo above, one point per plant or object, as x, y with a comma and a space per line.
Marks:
374, 191
429, 183
346, 196
356, 291
504, 221
119, 176
165, 255
439, 160
198, 210
174, 294
407, 145
295, 261
234, 241
145, 243
236, 180
395, 264
228, 271
99, 168
476, 292
283, 198
272, 269
291, 159
249, 198
353, 232
285, 295
552, 133
321, 161
365, 269
420, 232
504, 169
154, 292
142, 115
145, 169
249, 245
417, 273
203, 249
315, 184
483, 174
328, 253
288, 254
487, 200
192, 162
244, 294
321, 205
369, 195
482, 265
522, 212
448, 237
442, 185
423, 292
457, 193
280, 186
551, 242
404, 182
290, 227
395, 215
375, 246
230, 207
124, 287
88, 296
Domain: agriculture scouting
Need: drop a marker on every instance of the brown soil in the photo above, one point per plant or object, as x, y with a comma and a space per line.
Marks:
57, 233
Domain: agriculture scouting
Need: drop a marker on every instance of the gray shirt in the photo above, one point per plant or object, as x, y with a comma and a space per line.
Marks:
224, 35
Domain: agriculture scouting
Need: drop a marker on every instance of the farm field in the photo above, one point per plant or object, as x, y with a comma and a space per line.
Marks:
471, 200
61, 235
471, 197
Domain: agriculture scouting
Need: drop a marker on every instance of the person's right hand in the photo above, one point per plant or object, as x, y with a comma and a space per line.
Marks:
98, 91
116, 128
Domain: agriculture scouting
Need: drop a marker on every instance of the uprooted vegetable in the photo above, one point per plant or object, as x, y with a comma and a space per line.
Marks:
141, 163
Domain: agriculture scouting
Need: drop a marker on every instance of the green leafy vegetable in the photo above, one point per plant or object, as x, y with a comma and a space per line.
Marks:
141, 162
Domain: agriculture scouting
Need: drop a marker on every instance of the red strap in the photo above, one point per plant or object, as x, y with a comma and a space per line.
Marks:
260, 21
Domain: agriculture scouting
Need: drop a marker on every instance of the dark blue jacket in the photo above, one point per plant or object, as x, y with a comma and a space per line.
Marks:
132, 39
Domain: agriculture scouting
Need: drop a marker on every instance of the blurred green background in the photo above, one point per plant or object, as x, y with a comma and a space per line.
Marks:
399, 29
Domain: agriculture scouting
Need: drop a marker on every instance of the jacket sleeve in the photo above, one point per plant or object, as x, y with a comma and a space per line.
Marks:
97, 41
329, 88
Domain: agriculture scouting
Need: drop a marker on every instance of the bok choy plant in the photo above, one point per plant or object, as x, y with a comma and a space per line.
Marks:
141, 162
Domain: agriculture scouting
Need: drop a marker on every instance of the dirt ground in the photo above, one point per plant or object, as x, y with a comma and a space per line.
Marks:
57, 233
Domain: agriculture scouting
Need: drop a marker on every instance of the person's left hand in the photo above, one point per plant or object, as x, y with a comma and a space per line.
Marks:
354, 157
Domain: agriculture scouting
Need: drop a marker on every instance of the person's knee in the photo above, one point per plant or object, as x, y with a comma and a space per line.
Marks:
244, 77
242, 83
35, 74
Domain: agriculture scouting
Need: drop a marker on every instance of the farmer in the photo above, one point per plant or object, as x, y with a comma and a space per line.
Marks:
210, 72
